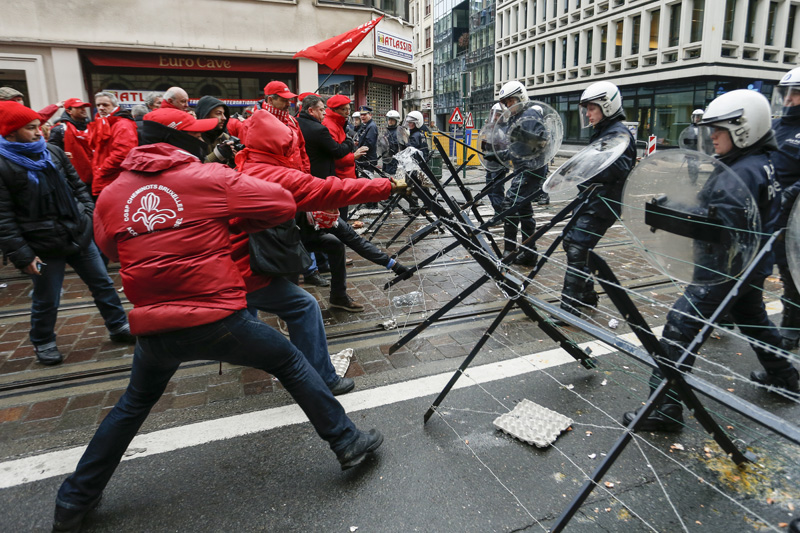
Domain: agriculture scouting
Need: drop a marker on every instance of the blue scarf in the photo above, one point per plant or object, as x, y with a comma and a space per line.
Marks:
18, 154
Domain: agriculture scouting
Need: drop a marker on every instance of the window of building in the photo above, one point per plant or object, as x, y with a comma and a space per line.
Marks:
576, 40
555, 8
525, 16
636, 22
515, 63
618, 41
773, 10
535, 5
750, 26
523, 62
603, 41
552, 45
655, 21
589, 43
730, 12
427, 38
533, 60
674, 25
427, 7
543, 58
563, 52
698, 9
566, 6
500, 25
790, 28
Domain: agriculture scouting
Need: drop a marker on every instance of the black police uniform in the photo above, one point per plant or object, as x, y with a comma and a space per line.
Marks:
389, 164
597, 216
787, 173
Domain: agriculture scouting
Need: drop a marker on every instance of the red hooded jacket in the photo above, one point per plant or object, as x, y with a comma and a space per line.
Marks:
267, 156
346, 166
165, 218
112, 137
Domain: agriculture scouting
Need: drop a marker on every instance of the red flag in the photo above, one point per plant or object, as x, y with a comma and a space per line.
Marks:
334, 51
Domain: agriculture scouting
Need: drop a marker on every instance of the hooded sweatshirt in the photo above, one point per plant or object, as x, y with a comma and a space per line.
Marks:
268, 157
165, 218
206, 105
112, 137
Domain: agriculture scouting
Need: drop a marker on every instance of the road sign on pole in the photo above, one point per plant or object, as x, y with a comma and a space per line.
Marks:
456, 117
468, 122
651, 145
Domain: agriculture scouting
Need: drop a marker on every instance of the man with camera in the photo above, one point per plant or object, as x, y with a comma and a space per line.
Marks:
222, 146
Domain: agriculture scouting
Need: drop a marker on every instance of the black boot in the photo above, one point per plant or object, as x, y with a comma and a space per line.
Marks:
786, 380
790, 327
666, 417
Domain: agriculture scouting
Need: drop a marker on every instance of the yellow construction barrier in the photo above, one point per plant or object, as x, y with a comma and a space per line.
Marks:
459, 159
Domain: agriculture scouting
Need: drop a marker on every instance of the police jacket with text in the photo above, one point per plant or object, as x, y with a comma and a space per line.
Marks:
787, 158
48, 218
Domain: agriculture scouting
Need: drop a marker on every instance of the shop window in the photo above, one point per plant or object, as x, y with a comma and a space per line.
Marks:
698, 9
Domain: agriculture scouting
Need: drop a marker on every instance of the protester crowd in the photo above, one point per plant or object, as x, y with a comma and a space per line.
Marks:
212, 217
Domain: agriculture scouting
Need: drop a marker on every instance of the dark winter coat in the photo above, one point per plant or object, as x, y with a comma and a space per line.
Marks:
368, 136
30, 223
322, 150
416, 139
606, 202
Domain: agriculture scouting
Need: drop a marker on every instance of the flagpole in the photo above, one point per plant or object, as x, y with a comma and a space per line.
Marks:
321, 85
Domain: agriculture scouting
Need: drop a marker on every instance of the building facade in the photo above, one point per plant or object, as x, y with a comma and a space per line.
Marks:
668, 57
419, 93
225, 48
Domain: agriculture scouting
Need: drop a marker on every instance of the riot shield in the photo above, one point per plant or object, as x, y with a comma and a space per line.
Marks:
488, 137
531, 135
793, 241
696, 138
692, 217
587, 163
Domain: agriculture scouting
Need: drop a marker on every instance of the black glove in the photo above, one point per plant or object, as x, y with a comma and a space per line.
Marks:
399, 269
223, 151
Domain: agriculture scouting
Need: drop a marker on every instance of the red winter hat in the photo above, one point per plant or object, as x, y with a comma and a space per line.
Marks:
279, 88
14, 116
180, 120
301, 97
75, 102
338, 101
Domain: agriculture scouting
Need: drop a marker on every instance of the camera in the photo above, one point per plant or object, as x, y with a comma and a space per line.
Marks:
236, 143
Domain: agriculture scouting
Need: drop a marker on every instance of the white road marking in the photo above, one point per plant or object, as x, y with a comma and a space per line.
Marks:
46, 465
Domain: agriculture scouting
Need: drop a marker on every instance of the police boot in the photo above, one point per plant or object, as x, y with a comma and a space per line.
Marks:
786, 379
589, 298
790, 327
509, 238
571, 297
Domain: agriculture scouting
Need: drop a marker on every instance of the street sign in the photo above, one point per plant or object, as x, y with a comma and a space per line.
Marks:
466, 84
468, 122
456, 117
468, 136
651, 145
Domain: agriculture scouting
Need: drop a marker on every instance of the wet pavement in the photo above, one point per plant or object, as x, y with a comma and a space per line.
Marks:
426, 477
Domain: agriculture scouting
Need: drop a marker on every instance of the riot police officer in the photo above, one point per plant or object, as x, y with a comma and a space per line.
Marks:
527, 184
416, 139
786, 106
601, 108
495, 170
389, 164
744, 141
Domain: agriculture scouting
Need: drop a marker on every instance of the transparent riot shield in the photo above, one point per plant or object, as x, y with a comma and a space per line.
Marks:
696, 138
691, 217
491, 134
587, 163
793, 241
531, 135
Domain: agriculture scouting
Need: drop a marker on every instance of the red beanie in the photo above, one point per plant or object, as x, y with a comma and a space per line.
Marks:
338, 101
14, 116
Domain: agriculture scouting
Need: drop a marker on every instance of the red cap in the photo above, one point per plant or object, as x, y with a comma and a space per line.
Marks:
180, 120
338, 101
279, 88
301, 97
75, 102
14, 116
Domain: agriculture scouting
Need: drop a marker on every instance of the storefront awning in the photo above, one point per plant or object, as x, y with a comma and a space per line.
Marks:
189, 62
391, 75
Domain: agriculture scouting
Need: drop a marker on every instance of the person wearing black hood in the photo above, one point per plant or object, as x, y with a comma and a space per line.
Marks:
744, 142
601, 108
220, 142
786, 106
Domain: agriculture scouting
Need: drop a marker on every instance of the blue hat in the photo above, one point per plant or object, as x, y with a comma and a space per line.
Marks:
365, 109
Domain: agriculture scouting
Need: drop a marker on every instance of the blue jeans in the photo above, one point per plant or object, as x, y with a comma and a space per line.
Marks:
237, 339
47, 294
301, 312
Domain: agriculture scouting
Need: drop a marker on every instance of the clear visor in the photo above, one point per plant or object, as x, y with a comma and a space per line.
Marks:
697, 138
585, 117
782, 97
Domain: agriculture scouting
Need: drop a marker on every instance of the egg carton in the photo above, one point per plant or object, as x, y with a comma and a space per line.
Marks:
533, 423
341, 361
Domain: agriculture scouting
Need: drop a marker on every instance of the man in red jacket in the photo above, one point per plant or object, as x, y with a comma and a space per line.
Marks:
269, 145
113, 134
166, 218
276, 100
71, 134
336, 122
